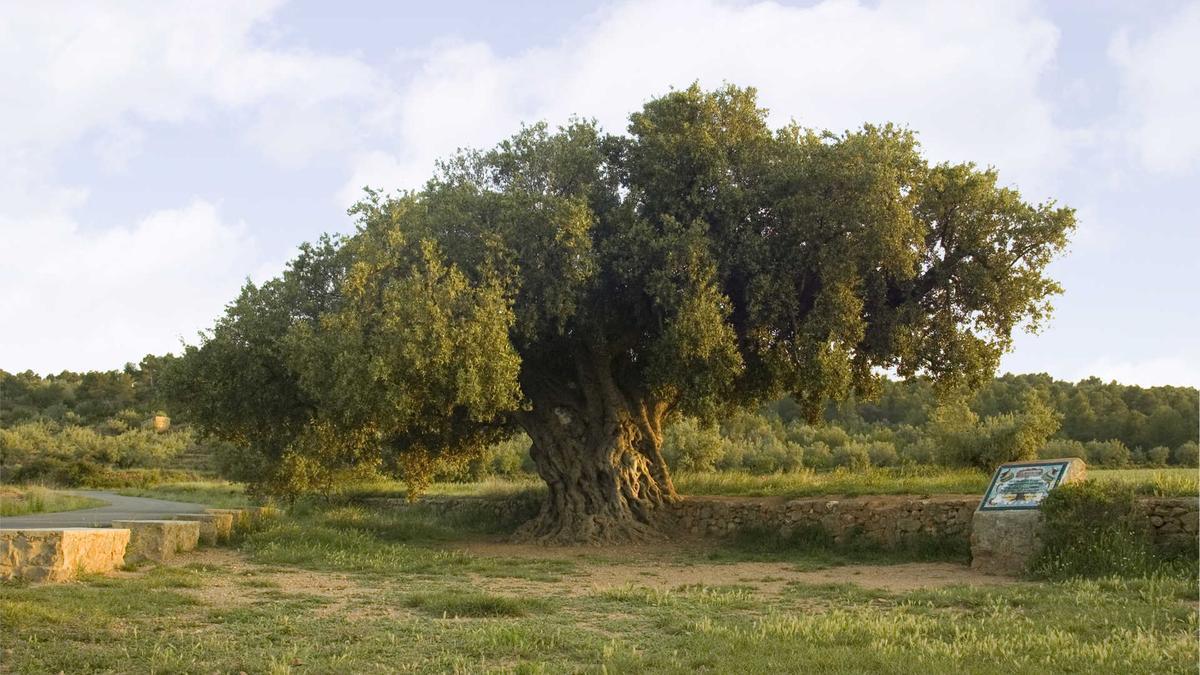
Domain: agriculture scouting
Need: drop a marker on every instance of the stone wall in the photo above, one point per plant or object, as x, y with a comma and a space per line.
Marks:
1174, 521
886, 521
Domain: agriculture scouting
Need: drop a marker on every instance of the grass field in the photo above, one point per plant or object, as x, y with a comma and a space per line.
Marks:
1173, 482
19, 500
213, 492
350, 589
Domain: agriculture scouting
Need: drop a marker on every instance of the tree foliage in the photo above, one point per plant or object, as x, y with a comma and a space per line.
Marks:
587, 287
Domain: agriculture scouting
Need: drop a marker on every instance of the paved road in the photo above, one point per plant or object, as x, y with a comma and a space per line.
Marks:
119, 508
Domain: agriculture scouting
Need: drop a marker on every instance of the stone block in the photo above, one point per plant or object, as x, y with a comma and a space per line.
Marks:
59, 554
1004, 542
241, 517
1191, 522
215, 528
159, 540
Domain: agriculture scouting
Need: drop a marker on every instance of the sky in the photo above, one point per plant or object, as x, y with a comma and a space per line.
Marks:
156, 155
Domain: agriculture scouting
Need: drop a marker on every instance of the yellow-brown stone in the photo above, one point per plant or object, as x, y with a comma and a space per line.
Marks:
159, 540
214, 527
59, 554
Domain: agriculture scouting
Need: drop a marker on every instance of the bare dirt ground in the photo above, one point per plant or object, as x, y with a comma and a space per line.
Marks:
656, 567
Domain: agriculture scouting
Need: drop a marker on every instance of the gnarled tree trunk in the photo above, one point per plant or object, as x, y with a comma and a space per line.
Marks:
599, 452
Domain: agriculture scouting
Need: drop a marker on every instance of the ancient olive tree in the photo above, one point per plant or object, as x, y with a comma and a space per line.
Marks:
587, 287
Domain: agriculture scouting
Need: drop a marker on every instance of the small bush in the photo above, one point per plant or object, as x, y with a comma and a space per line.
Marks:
883, 453
1112, 453
1056, 448
1092, 529
1188, 454
690, 446
1158, 456
852, 457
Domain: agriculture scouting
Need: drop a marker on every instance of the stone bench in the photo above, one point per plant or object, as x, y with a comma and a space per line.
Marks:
214, 527
245, 518
159, 540
59, 554
239, 518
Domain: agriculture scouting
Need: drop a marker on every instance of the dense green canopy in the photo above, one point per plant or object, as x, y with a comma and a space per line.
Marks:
586, 287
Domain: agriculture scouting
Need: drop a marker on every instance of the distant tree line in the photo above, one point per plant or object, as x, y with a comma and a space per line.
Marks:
72, 427
1141, 418
112, 400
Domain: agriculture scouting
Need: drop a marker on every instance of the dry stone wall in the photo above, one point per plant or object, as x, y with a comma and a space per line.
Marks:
885, 521
1174, 522
888, 522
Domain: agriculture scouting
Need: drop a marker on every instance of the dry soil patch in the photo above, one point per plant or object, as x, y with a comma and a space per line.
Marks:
653, 566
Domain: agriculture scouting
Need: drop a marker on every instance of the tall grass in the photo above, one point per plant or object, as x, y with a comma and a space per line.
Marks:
23, 500
1153, 482
220, 493
809, 483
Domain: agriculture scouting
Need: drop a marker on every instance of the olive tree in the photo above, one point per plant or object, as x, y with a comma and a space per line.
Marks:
587, 287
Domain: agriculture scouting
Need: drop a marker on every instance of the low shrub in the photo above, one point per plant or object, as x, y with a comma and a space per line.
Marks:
1111, 454
1057, 448
1092, 529
1158, 456
84, 473
852, 457
1188, 454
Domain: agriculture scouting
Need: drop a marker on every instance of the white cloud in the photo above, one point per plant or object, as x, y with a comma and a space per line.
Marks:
98, 76
1160, 91
75, 299
72, 69
964, 75
378, 170
1149, 372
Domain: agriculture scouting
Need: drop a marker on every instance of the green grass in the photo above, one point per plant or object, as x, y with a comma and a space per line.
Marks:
496, 488
919, 480
418, 604
216, 493
814, 548
18, 500
808, 483
455, 604
923, 480
1157, 482
388, 543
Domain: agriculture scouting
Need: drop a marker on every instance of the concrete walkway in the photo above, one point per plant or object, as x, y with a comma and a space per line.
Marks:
119, 507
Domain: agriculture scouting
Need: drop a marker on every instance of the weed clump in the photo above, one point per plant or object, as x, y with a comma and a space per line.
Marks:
1093, 529
472, 605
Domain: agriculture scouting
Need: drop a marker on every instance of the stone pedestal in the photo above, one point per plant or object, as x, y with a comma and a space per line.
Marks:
59, 554
1004, 542
159, 540
1006, 528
